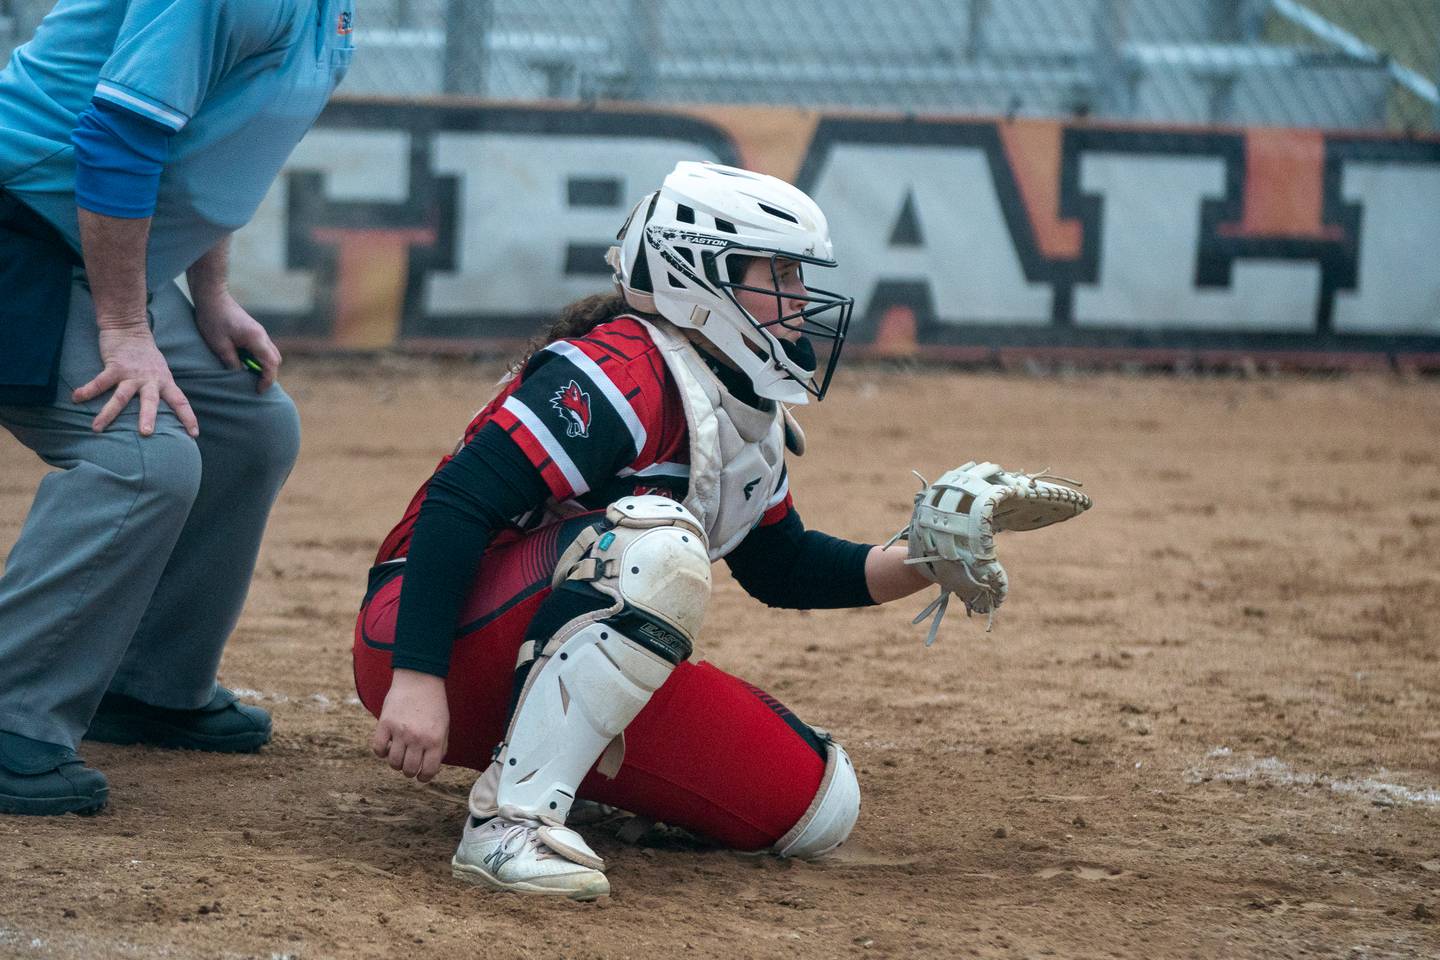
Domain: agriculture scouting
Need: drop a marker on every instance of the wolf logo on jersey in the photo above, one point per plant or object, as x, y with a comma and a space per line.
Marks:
574, 406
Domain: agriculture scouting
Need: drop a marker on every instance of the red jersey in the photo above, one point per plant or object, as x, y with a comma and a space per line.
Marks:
600, 418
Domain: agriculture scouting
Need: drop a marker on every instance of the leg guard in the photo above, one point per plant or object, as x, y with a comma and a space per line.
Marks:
576, 703
832, 813
726, 760
599, 670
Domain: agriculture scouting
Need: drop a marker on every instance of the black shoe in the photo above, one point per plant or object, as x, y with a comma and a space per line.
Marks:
224, 725
46, 779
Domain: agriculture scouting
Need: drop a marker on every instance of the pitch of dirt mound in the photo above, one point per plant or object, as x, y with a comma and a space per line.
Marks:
1204, 726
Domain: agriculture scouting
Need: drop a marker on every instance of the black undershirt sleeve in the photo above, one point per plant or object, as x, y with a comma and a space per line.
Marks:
483, 487
785, 565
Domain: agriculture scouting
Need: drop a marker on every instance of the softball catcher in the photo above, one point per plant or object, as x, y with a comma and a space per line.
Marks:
534, 613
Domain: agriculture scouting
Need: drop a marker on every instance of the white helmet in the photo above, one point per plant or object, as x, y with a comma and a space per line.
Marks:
683, 252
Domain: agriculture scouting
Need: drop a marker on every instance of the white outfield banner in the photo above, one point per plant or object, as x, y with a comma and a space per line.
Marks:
465, 226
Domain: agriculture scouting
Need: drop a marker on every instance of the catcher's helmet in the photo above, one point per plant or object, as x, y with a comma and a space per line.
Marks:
683, 252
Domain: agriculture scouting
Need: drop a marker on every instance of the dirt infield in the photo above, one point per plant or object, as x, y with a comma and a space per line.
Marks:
1207, 723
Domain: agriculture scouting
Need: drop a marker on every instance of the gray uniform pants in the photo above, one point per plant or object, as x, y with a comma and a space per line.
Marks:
133, 564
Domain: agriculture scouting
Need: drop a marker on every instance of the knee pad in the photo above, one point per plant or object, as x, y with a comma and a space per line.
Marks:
651, 556
832, 813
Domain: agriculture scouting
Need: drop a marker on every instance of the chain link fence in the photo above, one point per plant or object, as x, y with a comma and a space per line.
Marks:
1332, 63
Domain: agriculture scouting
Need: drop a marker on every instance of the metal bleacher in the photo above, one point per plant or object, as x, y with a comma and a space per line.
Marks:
1189, 61
1179, 61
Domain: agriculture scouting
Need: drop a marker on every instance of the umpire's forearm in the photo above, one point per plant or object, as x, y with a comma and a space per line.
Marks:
114, 252
209, 277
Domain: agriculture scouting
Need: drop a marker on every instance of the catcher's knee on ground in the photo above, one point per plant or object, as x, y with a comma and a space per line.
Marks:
831, 816
595, 673
726, 760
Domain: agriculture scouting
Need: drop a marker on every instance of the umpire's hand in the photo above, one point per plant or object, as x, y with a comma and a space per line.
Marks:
228, 328
134, 366
414, 725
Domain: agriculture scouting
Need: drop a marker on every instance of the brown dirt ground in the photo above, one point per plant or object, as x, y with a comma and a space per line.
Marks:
1205, 725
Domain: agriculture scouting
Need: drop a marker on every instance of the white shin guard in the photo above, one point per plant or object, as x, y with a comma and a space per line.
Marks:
593, 677
579, 698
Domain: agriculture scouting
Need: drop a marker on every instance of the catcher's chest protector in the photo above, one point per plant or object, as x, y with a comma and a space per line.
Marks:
737, 453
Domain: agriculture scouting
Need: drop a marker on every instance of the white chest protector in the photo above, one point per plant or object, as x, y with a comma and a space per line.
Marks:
737, 453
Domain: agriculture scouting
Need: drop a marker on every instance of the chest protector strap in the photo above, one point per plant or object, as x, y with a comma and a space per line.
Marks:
737, 452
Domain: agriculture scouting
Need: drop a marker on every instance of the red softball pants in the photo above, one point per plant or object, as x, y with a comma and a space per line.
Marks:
709, 753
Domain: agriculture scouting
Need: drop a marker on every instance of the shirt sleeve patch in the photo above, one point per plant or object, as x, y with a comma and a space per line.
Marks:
569, 406
612, 393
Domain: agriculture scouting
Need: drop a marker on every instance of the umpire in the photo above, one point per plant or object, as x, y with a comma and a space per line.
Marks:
135, 137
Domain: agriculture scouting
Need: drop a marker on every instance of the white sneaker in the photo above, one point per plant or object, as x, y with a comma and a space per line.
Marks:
529, 856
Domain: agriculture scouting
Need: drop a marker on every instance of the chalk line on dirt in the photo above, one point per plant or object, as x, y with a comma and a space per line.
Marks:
1217, 765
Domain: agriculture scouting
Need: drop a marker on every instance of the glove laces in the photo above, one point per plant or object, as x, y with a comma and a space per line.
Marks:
940, 604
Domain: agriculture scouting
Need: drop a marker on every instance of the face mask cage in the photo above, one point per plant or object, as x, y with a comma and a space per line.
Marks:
822, 321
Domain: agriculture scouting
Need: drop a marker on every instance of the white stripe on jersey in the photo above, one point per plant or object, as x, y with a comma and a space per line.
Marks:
607, 386
172, 120
547, 440
781, 493
658, 470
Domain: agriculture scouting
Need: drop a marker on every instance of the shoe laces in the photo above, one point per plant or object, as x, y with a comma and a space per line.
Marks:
526, 830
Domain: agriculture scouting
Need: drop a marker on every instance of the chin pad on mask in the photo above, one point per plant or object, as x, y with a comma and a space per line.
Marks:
800, 352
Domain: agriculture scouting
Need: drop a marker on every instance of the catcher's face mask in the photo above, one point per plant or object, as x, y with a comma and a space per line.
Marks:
685, 253
809, 325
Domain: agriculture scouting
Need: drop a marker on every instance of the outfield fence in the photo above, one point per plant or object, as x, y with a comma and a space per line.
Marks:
1331, 63
1159, 180
1369, 64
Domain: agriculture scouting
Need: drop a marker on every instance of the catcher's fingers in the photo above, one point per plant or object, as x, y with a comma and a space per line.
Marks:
407, 755
396, 758
380, 740
414, 759
430, 765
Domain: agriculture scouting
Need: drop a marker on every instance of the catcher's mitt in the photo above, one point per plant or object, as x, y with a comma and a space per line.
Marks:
952, 530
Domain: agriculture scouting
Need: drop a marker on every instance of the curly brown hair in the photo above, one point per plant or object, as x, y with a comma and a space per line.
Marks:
576, 320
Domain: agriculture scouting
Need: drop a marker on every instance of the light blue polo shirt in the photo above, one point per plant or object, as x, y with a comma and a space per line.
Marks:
238, 81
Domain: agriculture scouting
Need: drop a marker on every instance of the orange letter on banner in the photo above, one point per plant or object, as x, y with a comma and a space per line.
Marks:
370, 283
1284, 186
1033, 149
